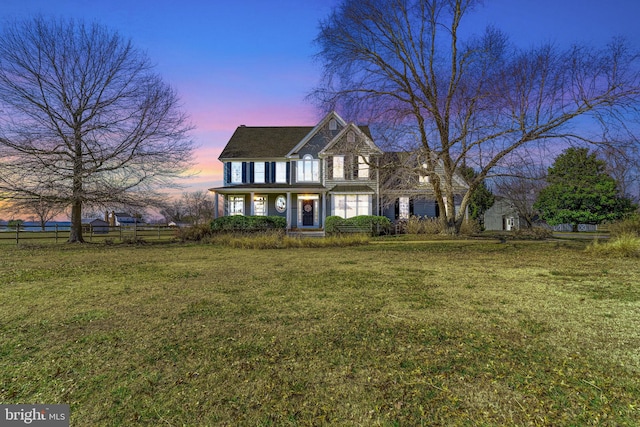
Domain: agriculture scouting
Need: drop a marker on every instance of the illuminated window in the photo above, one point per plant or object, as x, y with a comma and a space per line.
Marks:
363, 167
333, 124
258, 173
236, 205
338, 167
403, 208
260, 205
308, 169
281, 172
236, 172
350, 205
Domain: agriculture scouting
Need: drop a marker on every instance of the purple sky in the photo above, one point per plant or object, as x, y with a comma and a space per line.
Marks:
250, 61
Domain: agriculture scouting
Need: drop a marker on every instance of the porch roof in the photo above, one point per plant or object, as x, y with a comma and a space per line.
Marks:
352, 189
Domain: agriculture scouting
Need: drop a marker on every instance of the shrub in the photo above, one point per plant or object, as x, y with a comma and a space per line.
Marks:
424, 225
378, 224
194, 233
627, 226
625, 245
469, 227
277, 240
248, 224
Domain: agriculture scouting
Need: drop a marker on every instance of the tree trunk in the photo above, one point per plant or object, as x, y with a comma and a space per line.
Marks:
75, 234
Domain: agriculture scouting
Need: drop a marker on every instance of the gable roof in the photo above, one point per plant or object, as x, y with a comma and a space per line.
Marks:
363, 131
263, 142
269, 142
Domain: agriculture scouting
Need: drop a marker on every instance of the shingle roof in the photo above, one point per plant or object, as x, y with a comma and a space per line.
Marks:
263, 142
249, 142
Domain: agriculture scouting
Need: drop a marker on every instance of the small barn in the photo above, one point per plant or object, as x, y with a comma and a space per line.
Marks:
99, 226
503, 216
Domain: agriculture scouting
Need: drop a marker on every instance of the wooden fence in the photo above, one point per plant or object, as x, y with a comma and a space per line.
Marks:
101, 233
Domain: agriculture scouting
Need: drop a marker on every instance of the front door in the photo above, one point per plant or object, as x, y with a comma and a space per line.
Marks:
307, 213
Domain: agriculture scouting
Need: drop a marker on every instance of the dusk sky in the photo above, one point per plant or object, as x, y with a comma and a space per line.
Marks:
251, 61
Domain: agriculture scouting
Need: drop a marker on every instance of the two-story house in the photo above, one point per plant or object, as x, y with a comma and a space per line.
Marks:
301, 173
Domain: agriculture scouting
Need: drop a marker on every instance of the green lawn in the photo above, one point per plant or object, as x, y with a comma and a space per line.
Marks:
390, 333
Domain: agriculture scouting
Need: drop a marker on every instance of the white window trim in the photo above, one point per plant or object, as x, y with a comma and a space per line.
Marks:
308, 169
260, 201
234, 203
338, 165
281, 172
236, 172
363, 167
258, 173
350, 205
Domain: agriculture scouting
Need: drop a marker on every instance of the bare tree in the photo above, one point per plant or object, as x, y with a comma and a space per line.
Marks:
85, 119
521, 184
44, 209
193, 208
467, 101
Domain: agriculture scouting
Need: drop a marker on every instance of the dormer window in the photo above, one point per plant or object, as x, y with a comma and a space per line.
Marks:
333, 124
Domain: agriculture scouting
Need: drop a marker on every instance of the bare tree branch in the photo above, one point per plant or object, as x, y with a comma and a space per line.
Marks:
472, 101
85, 120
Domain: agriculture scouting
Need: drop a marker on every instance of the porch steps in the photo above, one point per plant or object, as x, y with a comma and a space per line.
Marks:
306, 233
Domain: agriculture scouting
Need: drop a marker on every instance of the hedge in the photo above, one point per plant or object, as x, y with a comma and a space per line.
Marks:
380, 224
248, 223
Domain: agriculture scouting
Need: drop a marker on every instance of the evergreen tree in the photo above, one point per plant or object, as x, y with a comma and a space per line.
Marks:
481, 198
580, 191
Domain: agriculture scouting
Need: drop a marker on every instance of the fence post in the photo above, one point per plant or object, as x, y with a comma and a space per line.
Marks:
158, 231
17, 233
91, 232
56, 232
135, 231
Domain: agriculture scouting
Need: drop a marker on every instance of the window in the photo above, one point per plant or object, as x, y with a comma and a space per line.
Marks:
308, 169
338, 167
404, 208
236, 205
281, 172
333, 124
236, 172
281, 203
350, 205
258, 173
351, 137
363, 167
260, 205
424, 179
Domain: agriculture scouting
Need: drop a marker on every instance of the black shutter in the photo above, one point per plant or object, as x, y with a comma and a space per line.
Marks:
288, 171
252, 172
273, 171
397, 209
411, 206
244, 173
267, 172
227, 173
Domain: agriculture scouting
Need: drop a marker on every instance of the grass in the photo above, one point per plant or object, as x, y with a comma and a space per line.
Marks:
386, 333
623, 245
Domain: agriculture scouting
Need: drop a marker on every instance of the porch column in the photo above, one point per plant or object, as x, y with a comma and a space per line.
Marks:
251, 206
289, 207
324, 208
